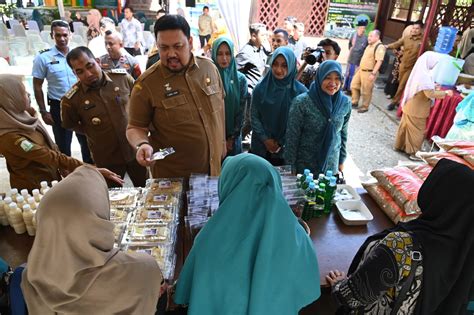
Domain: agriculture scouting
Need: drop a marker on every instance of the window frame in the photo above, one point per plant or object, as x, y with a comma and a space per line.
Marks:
409, 13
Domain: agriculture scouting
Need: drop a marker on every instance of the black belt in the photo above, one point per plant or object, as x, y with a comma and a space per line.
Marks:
367, 70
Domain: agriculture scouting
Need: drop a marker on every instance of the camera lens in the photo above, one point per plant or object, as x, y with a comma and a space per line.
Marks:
312, 58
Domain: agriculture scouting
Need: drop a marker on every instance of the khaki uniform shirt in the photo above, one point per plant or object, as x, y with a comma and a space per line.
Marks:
125, 61
205, 25
186, 111
102, 114
370, 56
420, 105
30, 160
411, 47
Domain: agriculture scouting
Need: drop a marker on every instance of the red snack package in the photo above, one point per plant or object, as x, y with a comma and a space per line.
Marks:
387, 204
466, 153
447, 145
403, 185
432, 158
422, 171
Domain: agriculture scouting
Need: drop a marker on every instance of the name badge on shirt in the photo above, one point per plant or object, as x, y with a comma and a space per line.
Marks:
172, 93
55, 62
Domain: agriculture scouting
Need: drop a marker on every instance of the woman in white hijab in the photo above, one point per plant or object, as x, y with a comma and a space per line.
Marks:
416, 103
73, 267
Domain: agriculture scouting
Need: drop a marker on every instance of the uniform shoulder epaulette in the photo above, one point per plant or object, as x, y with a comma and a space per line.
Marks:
71, 91
148, 72
44, 50
118, 71
204, 58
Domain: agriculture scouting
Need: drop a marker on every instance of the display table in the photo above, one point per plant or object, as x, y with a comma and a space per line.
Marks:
442, 115
14, 248
337, 243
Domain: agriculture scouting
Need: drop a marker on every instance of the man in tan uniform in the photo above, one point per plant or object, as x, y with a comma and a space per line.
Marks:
411, 47
96, 106
179, 103
364, 78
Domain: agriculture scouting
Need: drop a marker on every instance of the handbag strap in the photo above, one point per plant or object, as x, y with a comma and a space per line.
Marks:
416, 260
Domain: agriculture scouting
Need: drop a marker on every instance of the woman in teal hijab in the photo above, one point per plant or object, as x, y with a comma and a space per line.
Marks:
235, 85
252, 257
271, 100
317, 127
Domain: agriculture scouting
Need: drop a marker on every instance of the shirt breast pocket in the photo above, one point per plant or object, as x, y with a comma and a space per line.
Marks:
214, 97
93, 116
177, 109
55, 68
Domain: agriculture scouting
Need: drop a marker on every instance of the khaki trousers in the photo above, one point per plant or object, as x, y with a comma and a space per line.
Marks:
362, 86
403, 76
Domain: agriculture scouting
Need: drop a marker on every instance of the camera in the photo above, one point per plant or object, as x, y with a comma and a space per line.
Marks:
313, 55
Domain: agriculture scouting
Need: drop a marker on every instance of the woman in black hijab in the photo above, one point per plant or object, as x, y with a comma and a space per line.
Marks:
425, 266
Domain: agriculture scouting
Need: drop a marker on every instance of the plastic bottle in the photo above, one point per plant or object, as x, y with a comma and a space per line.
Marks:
13, 194
310, 196
298, 180
320, 194
36, 195
311, 192
6, 205
305, 174
308, 180
321, 178
53, 183
32, 203
44, 185
33, 220
445, 40
20, 202
16, 219
45, 191
25, 194
3, 215
329, 196
328, 176
27, 218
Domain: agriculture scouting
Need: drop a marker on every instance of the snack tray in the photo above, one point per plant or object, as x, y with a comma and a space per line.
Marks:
354, 212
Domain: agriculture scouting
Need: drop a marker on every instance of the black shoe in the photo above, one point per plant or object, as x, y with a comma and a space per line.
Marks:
392, 106
362, 110
355, 105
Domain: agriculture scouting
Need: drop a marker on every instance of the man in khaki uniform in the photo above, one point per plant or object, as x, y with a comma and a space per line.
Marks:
179, 103
96, 106
206, 26
411, 47
363, 81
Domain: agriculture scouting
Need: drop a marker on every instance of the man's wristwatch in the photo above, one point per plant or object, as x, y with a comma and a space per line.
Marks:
141, 143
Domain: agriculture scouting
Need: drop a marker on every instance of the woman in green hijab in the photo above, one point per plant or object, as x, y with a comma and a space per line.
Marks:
235, 85
252, 257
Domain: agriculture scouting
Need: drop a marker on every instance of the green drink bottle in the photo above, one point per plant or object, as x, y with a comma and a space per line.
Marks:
329, 196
